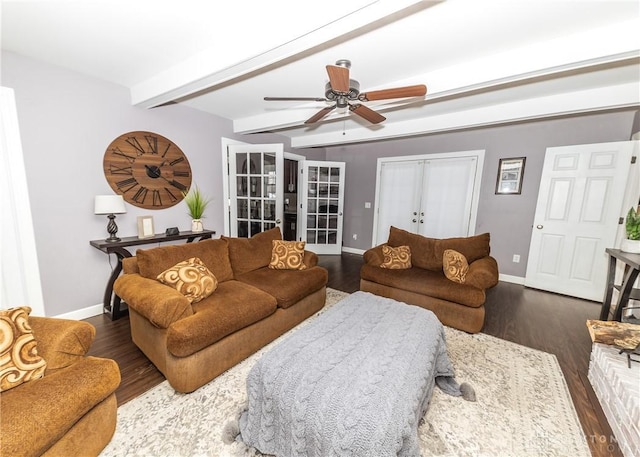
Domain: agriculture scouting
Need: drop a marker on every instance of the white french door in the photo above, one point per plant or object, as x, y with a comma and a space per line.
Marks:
256, 188
435, 195
322, 204
576, 219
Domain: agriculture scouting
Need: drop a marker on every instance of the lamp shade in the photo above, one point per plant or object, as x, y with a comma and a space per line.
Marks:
109, 204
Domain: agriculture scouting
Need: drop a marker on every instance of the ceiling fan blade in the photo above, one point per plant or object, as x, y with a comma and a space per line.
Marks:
397, 92
367, 113
338, 78
291, 99
320, 114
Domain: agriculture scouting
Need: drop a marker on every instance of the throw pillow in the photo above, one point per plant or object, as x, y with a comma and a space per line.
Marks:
19, 359
287, 255
191, 278
398, 258
455, 266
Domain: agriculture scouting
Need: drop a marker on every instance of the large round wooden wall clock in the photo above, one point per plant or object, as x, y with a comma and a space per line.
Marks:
147, 169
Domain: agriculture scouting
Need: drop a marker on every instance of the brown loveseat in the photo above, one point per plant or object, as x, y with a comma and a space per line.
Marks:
71, 410
424, 284
252, 305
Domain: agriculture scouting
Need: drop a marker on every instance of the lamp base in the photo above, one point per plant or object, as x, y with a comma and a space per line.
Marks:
112, 228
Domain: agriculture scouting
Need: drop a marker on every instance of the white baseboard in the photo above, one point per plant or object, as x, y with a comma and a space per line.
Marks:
83, 313
512, 279
353, 250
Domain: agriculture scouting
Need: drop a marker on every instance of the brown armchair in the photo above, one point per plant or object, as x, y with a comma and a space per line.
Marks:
71, 410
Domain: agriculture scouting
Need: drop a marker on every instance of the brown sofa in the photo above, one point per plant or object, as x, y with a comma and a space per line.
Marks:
252, 305
69, 411
424, 284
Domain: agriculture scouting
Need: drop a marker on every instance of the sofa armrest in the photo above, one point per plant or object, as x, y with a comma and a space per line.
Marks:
61, 342
37, 413
310, 259
160, 304
374, 256
483, 273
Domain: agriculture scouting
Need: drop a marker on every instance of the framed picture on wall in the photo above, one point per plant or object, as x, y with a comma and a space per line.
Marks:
510, 172
145, 227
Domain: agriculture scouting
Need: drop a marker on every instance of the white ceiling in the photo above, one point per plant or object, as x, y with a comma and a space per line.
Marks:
484, 62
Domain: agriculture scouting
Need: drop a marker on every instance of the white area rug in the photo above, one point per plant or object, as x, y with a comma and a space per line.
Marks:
523, 408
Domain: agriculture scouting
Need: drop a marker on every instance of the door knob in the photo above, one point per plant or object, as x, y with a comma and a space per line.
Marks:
277, 221
413, 220
539, 227
421, 221
415, 214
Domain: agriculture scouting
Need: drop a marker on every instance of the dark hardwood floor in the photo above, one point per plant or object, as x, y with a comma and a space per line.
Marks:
540, 320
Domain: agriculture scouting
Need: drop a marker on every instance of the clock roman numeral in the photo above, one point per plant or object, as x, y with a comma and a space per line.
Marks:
176, 161
181, 174
127, 184
166, 150
140, 195
157, 201
133, 141
118, 152
152, 141
115, 170
172, 197
178, 185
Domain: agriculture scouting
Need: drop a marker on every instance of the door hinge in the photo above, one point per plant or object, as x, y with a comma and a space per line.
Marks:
621, 220
633, 159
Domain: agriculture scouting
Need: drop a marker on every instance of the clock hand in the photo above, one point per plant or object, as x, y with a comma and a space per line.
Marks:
153, 171
174, 183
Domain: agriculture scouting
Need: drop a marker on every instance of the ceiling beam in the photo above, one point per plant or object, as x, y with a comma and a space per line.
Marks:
547, 106
203, 71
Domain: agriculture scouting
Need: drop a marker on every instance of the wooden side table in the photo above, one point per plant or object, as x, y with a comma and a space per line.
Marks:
111, 303
626, 289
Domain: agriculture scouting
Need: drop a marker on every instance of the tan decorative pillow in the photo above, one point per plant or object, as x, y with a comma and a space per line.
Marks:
398, 258
287, 255
191, 278
455, 266
19, 359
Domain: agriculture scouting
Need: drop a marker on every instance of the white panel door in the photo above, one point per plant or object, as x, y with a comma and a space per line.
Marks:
322, 204
576, 218
256, 188
398, 202
447, 195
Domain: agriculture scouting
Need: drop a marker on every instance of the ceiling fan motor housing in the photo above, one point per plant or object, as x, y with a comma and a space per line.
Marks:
354, 91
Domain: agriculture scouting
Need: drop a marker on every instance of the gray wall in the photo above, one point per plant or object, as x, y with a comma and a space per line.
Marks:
508, 218
67, 120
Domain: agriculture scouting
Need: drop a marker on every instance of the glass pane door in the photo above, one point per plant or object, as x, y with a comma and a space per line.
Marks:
323, 200
256, 176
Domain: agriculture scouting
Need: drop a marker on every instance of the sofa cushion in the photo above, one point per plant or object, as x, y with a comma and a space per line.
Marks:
287, 286
191, 278
233, 306
19, 359
213, 253
248, 254
423, 249
455, 266
396, 258
287, 255
426, 282
472, 247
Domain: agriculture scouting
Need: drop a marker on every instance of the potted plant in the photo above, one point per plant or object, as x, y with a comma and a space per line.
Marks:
632, 227
197, 203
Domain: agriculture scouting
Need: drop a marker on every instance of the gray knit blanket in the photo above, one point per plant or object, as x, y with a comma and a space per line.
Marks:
355, 381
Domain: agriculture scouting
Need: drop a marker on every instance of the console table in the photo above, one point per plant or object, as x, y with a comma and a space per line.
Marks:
626, 291
111, 303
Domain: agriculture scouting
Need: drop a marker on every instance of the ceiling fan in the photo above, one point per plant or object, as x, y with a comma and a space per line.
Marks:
344, 92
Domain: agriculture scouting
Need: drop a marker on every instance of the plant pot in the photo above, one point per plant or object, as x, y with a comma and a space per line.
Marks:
196, 225
630, 246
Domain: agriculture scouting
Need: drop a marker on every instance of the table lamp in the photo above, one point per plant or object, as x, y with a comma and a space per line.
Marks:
110, 205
